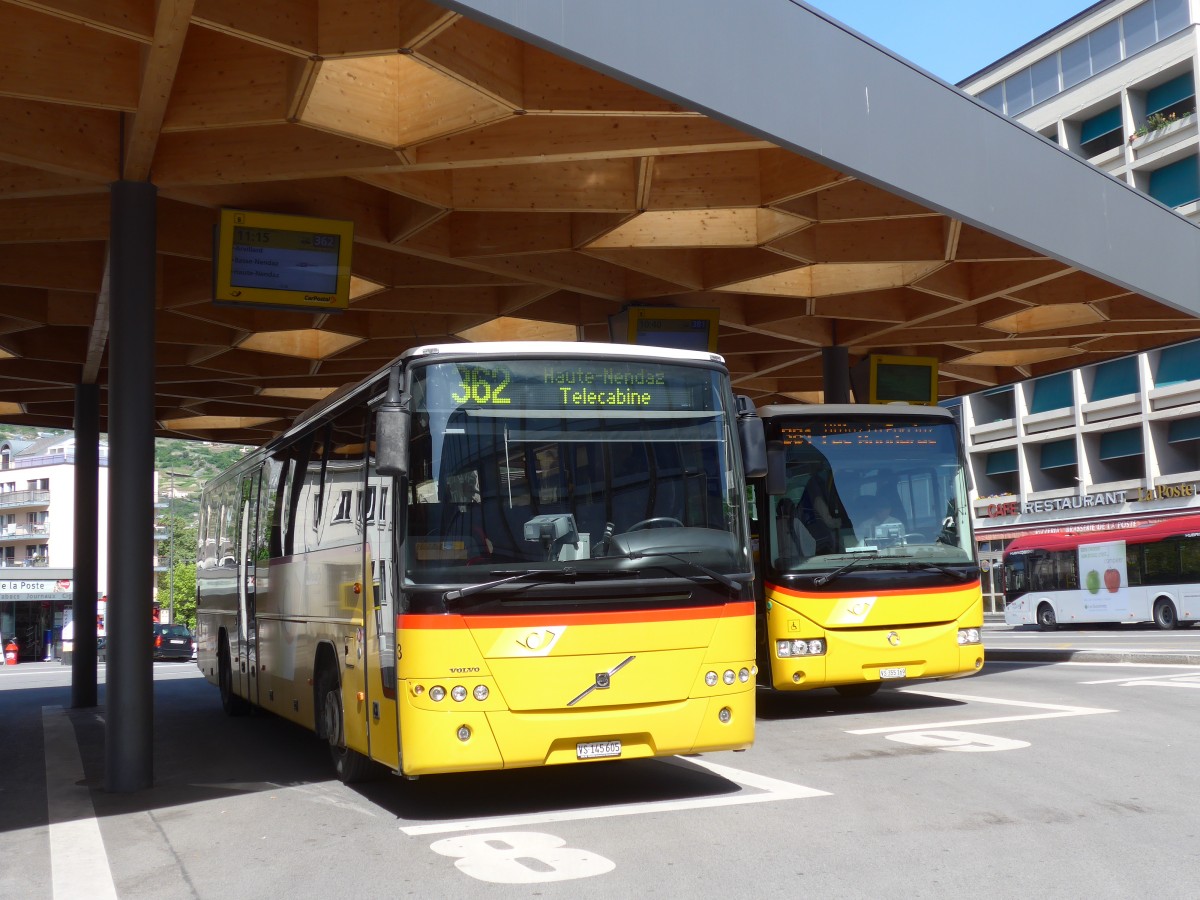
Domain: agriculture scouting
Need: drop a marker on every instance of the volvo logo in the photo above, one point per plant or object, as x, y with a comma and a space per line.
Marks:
603, 680
893, 638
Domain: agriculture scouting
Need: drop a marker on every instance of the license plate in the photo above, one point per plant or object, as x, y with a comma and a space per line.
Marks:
176, 641
598, 750
899, 672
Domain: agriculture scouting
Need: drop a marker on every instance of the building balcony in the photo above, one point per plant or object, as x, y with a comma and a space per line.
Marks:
23, 532
1160, 139
1050, 420
994, 431
17, 499
1112, 408
1170, 395
35, 562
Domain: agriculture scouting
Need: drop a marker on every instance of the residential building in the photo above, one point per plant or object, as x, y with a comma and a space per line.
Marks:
1104, 447
1115, 444
37, 539
1116, 85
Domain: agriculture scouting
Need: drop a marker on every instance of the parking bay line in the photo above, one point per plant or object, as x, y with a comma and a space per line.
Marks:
1055, 711
772, 790
78, 861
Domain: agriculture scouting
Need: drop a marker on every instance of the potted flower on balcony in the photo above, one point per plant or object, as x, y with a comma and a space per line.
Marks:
1157, 124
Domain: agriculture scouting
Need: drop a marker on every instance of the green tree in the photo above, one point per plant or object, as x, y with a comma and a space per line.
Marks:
180, 581
185, 593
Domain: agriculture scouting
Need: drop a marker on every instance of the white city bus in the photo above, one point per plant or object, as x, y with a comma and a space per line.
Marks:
1148, 573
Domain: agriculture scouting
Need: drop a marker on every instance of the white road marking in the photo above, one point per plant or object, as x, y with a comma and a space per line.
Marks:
1054, 711
772, 790
1177, 682
78, 861
958, 741
1128, 680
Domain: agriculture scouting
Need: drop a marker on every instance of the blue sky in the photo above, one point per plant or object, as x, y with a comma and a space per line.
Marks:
951, 38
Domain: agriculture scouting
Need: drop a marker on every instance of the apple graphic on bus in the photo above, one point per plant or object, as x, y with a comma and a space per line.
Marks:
1112, 580
1093, 581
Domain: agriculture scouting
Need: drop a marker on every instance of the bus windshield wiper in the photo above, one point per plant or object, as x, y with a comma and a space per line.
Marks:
730, 582
841, 570
459, 593
908, 565
924, 564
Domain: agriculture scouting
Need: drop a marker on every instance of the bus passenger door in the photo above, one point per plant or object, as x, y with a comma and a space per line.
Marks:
245, 676
379, 510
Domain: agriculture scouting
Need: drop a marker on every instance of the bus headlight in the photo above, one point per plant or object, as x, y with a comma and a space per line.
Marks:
743, 674
786, 649
458, 693
729, 676
968, 636
481, 692
710, 678
437, 693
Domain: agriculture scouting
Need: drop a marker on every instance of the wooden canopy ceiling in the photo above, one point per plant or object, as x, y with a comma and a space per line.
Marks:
497, 190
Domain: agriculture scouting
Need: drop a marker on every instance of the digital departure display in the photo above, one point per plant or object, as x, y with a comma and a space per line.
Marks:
571, 386
850, 433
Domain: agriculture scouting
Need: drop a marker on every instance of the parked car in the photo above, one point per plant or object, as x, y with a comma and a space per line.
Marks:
172, 642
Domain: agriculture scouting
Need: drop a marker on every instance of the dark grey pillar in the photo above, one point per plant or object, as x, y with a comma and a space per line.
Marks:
129, 685
84, 580
835, 370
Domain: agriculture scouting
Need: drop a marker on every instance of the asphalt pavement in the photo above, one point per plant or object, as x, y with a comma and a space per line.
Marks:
1117, 643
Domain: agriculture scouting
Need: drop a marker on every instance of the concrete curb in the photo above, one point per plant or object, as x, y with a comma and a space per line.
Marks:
1162, 657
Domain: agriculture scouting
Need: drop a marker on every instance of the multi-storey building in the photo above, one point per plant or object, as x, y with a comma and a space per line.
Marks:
1116, 85
1104, 447
1114, 444
37, 539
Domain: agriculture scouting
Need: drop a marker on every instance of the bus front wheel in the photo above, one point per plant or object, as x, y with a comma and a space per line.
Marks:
1045, 617
1164, 614
349, 765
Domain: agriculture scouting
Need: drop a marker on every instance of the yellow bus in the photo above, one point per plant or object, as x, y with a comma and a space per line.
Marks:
868, 564
494, 555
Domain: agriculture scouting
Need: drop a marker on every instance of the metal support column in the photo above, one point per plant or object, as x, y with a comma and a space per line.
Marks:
129, 758
84, 577
835, 371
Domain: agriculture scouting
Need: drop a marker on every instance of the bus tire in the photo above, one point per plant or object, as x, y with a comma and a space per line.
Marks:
1164, 614
1045, 617
350, 766
230, 702
857, 691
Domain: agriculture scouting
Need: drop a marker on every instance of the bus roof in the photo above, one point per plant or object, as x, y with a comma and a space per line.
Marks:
560, 349
1138, 534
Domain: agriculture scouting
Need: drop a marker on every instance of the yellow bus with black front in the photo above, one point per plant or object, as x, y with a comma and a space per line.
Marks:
868, 564
491, 556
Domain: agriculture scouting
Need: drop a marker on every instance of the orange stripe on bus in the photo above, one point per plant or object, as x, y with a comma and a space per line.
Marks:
730, 610
899, 592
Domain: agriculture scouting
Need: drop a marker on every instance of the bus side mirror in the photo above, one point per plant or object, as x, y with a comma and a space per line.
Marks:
776, 468
392, 421
752, 437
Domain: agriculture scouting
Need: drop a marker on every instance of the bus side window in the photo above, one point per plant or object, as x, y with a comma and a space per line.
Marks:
1133, 564
1189, 560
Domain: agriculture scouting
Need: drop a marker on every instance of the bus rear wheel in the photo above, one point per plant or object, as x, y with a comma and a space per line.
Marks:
350, 766
866, 689
1045, 618
1164, 614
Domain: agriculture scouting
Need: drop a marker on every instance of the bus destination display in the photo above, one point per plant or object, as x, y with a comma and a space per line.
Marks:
543, 385
831, 431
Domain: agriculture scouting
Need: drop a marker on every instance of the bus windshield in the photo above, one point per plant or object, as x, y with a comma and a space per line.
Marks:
886, 492
582, 468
